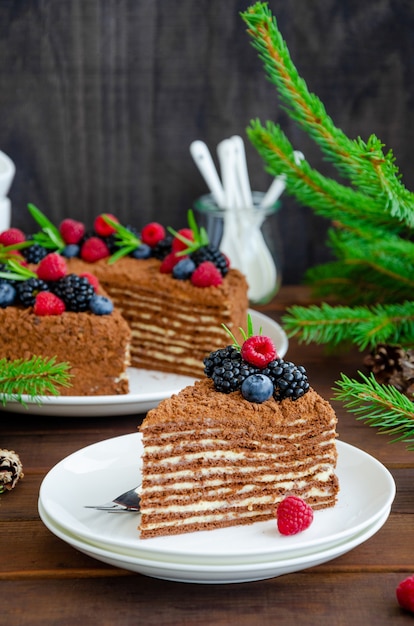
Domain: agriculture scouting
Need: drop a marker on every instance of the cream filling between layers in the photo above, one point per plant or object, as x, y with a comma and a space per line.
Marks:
164, 449
318, 472
219, 515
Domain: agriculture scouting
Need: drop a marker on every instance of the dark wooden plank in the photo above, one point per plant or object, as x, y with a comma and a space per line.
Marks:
303, 598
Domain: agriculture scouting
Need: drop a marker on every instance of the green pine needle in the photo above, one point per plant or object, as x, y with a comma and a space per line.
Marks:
380, 406
33, 377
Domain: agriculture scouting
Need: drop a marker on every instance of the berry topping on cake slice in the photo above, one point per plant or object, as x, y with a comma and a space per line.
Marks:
255, 369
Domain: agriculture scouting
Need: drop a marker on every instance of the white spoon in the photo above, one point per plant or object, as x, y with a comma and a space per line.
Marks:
242, 173
205, 164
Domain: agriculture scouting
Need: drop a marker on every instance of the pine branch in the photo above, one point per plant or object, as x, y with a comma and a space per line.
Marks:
34, 377
363, 163
380, 406
365, 327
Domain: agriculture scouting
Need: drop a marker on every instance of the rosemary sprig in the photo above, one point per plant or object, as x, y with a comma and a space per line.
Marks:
34, 377
381, 406
49, 237
200, 236
125, 240
8, 252
16, 271
245, 334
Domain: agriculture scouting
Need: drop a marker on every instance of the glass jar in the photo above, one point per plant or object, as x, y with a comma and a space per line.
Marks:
250, 239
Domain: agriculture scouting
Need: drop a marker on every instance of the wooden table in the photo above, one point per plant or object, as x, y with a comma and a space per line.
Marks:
45, 581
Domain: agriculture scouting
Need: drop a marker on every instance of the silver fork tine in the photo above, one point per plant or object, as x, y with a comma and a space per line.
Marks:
126, 502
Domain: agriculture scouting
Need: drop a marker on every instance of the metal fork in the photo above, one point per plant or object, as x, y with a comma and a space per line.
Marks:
126, 502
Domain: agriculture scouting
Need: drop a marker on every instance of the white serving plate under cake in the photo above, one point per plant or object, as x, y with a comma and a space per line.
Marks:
147, 387
99, 472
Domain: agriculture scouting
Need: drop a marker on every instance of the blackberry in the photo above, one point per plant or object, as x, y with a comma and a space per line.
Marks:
213, 254
111, 242
227, 369
162, 248
75, 291
35, 253
28, 290
215, 359
289, 380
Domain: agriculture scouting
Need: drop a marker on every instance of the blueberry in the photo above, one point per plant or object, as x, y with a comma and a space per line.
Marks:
101, 305
7, 295
71, 250
142, 252
257, 388
184, 269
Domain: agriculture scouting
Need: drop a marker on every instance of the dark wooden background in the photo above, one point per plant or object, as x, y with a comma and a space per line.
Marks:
100, 100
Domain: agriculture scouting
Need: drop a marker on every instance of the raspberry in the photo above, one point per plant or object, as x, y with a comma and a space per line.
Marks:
12, 236
93, 250
177, 244
102, 228
152, 233
47, 303
293, 515
258, 350
71, 231
92, 279
169, 263
206, 275
405, 594
52, 267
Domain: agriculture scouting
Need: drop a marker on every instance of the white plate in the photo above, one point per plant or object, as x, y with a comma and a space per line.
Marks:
147, 387
103, 470
212, 573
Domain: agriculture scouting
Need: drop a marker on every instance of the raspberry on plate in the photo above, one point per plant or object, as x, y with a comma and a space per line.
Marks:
52, 267
258, 350
47, 303
405, 594
294, 515
206, 275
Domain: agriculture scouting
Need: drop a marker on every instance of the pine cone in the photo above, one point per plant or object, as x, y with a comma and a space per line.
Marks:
11, 469
392, 365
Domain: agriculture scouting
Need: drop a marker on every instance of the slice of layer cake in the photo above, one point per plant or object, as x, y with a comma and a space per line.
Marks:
174, 289
62, 317
223, 458
173, 323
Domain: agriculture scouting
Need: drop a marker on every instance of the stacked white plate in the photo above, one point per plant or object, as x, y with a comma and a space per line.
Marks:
102, 471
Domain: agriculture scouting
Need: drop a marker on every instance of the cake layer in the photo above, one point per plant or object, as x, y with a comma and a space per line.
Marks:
96, 346
174, 324
213, 460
